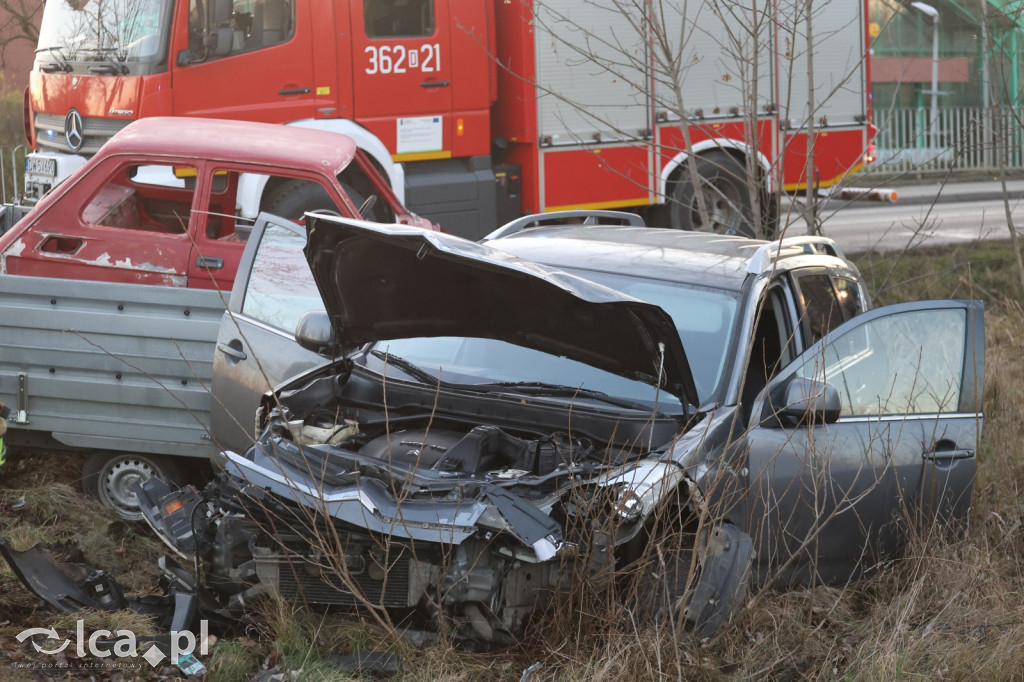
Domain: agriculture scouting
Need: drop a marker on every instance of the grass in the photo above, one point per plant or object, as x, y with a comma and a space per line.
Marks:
944, 611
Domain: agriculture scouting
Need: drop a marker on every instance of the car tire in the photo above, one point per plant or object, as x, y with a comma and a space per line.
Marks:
703, 603
109, 477
726, 196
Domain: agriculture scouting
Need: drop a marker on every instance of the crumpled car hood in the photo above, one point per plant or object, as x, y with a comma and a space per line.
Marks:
382, 282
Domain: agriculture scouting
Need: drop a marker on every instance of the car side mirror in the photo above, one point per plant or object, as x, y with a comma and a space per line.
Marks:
805, 401
314, 332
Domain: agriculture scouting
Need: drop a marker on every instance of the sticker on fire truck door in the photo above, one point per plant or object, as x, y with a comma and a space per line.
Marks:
420, 134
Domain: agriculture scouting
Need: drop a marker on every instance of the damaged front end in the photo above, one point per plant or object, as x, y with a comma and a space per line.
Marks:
470, 528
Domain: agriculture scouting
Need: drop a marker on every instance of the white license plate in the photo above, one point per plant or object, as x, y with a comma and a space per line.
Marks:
40, 165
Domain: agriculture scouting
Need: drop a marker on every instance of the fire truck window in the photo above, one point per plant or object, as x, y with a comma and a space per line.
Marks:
253, 25
398, 18
150, 198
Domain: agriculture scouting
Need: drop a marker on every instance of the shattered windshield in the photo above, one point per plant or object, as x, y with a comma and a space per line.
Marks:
118, 31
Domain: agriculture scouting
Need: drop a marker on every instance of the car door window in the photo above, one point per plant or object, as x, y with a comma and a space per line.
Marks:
827, 301
910, 363
772, 345
280, 287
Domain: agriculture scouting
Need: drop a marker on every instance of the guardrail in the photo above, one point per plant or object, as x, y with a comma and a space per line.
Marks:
964, 138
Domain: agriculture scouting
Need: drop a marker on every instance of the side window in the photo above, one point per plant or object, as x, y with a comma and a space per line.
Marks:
280, 287
364, 195
229, 218
149, 198
904, 363
772, 345
252, 25
826, 301
848, 294
398, 18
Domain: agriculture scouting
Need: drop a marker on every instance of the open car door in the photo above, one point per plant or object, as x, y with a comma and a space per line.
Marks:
870, 432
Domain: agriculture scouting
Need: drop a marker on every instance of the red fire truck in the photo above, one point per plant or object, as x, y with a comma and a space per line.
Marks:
477, 110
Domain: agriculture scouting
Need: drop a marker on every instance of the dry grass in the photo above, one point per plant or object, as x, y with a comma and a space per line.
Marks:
945, 611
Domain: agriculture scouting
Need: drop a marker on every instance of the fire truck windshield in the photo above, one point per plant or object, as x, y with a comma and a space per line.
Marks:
123, 36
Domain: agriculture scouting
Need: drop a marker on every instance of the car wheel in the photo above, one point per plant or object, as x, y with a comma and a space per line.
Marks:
704, 600
110, 478
727, 197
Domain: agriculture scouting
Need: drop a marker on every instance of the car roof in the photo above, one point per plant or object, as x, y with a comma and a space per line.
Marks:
237, 141
712, 260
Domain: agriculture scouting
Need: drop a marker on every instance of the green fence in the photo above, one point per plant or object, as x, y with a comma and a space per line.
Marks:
968, 138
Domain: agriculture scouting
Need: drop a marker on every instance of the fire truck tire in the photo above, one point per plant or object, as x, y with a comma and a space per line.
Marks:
726, 197
109, 476
292, 199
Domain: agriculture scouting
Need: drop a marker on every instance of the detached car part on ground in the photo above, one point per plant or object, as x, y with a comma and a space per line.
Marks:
471, 454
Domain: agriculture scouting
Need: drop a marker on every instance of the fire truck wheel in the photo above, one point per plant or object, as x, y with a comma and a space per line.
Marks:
295, 197
726, 197
110, 476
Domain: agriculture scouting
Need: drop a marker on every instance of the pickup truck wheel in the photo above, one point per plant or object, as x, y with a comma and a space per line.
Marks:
110, 478
295, 197
727, 197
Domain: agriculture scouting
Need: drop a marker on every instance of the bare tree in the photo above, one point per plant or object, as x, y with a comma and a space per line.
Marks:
19, 20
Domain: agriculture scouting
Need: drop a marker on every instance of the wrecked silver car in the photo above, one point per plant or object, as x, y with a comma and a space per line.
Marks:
502, 421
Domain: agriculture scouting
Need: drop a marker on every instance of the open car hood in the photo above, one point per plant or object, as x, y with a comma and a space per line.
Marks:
382, 282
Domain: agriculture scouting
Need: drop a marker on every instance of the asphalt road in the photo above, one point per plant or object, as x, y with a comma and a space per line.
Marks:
889, 227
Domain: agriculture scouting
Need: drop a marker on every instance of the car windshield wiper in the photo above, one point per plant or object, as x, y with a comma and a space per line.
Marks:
60, 64
543, 389
407, 367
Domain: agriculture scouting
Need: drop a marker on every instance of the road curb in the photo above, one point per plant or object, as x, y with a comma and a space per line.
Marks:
949, 196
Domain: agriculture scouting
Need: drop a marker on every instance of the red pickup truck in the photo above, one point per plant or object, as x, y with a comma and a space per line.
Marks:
167, 200
93, 362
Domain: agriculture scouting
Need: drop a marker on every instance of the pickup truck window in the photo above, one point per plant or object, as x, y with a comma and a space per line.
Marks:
150, 198
280, 287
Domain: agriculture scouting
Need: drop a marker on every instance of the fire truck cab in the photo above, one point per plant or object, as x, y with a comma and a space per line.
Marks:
479, 110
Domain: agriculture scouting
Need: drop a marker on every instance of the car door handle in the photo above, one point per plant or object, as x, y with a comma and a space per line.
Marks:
293, 91
942, 455
209, 263
434, 84
231, 351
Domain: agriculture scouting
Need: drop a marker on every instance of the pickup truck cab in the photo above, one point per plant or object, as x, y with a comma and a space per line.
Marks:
167, 201
90, 361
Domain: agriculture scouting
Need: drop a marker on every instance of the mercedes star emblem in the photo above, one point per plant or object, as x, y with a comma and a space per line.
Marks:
73, 130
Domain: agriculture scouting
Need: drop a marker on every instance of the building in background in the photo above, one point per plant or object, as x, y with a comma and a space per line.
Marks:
980, 66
